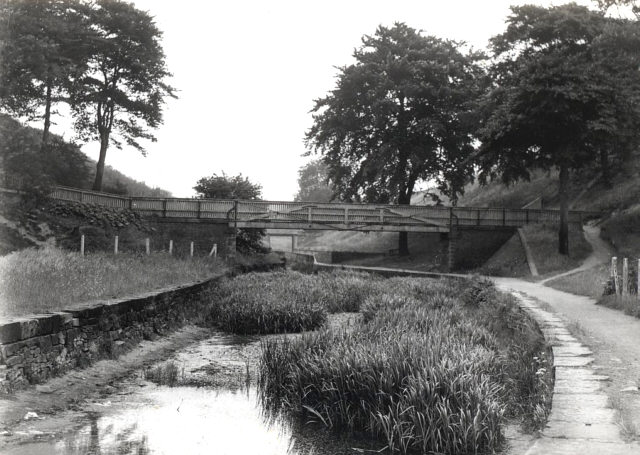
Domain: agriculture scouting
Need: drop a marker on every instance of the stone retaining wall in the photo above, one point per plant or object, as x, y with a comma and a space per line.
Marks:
35, 348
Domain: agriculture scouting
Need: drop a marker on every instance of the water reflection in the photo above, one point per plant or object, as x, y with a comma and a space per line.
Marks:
188, 420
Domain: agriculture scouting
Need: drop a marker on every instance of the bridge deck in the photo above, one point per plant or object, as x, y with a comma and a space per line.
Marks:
321, 216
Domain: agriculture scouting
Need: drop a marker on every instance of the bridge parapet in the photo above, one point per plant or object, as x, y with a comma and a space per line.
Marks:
323, 216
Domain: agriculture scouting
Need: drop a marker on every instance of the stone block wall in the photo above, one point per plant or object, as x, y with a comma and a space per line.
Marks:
35, 348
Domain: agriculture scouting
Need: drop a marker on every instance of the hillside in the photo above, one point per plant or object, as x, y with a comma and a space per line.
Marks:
22, 163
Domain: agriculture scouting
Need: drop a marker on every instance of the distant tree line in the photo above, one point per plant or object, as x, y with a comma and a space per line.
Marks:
558, 90
102, 58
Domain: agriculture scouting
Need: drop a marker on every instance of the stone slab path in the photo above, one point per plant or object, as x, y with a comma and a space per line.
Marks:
581, 420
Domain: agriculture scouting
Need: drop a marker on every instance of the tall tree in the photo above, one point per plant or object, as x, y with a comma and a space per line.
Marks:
566, 86
402, 113
235, 187
313, 183
43, 50
121, 96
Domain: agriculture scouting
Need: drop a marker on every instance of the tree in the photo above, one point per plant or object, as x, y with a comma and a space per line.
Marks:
43, 50
313, 183
121, 96
235, 187
401, 114
566, 87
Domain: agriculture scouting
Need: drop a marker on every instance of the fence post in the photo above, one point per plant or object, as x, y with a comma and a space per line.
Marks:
82, 245
199, 208
346, 215
164, 208
170, 247
625, 276
115, 245
614, 274
381, 216
191, 249
309, 214
214, 251
147, 246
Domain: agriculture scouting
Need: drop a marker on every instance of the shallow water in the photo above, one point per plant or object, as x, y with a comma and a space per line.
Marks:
218, 412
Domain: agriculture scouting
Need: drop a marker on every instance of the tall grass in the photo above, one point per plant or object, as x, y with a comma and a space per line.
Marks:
591, 282
427, 370
35, 281
278, 302
543, 241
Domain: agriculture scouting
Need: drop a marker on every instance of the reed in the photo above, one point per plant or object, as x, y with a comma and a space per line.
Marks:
425, 371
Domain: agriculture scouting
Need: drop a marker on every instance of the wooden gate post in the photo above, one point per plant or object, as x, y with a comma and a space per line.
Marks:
614, 274
625, 276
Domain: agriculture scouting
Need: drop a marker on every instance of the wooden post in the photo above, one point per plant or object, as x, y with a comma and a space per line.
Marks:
191, 249
164, 208
199, 207
170, 247
614, 274
214, 251
309, 214
625, 276
346, 215
82, 245
115, 245
381, 216
147, 246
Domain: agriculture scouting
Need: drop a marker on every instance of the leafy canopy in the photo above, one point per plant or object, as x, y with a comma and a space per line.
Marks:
313, 183
403, 112
564, 87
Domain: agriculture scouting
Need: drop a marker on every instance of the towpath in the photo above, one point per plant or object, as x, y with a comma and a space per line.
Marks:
614, 341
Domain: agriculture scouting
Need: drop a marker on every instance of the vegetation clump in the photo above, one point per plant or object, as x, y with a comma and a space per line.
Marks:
279, 302
424, 371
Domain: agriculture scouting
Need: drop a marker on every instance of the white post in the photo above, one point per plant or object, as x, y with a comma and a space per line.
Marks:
115, 245
625, 276
146, 246
614, 274
214, 251
170, 247
82, 245
191, 249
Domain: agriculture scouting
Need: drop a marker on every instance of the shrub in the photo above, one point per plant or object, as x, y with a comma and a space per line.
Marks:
166, 374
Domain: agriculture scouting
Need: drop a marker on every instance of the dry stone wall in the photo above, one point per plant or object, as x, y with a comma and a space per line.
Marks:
35, 348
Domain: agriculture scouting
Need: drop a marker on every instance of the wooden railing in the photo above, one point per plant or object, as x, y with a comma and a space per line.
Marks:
260, 212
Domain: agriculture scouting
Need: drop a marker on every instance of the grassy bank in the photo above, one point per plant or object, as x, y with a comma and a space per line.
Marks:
279, 302
434, 367
36, 281
590, 283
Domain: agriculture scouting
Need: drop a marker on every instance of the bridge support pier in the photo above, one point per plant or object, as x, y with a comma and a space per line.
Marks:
452, 247
231, 236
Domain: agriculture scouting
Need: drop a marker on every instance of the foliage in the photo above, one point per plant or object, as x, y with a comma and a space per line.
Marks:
96, 214
313, 183
280, 302
120, 97
401, 114
37, 281
564, 95
226, 187
42, 54
166, 374
422, 373
235, 187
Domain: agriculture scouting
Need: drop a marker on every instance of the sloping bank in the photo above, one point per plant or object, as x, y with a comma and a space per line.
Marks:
35, 348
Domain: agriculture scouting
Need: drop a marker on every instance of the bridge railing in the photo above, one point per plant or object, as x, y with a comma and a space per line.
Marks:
318, 213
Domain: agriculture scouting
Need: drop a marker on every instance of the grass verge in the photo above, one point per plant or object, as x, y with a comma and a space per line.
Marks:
50, 279
543, 241
434, 367
590, 283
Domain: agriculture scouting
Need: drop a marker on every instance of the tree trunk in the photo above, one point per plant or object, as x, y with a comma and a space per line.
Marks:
47, 118
403, 237
605, 168
563, 234
104, 143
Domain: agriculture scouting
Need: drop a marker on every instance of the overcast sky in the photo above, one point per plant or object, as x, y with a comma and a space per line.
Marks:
247, 74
